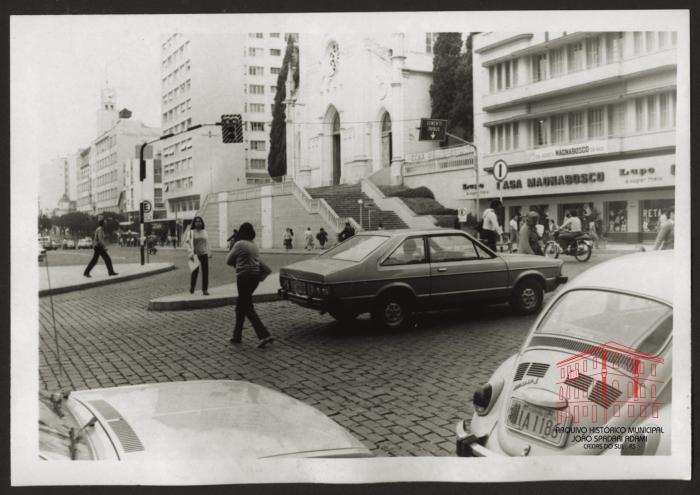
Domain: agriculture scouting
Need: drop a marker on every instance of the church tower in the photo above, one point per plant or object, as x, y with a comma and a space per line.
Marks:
107, 116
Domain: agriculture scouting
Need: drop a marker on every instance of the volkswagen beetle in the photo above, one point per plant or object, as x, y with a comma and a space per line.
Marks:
192, 420
391, 273
594, 374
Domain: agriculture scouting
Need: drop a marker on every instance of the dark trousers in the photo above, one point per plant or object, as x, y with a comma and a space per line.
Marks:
490, 238
247, 283
204, 265
99, 251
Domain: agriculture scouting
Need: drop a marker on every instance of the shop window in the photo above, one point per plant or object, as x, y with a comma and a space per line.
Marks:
651, 211
616, 216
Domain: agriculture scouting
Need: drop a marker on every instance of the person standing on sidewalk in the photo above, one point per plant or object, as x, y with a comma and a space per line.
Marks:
490, 228
665, 237
287, 238
100, 250
198, 245
308, 239
322, 237
528, 240
250, 271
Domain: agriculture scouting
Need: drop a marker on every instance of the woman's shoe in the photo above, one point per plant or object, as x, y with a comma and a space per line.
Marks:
205, 293
191, 291
265, 341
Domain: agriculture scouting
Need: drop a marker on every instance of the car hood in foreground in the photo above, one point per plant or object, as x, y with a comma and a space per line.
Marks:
214, 420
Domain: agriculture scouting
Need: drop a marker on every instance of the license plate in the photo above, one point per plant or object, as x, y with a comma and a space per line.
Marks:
537, 422
299, 287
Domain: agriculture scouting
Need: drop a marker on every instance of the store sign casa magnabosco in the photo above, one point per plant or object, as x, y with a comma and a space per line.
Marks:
574, 150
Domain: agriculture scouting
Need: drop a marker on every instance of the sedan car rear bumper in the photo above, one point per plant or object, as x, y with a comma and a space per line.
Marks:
469, 445
305, 301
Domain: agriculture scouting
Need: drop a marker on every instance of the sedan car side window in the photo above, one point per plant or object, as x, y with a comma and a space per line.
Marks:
452, 248
409, 252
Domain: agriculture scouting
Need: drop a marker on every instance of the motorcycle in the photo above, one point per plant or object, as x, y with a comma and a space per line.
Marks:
580, 247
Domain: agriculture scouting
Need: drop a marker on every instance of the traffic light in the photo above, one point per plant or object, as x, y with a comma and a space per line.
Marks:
232, 128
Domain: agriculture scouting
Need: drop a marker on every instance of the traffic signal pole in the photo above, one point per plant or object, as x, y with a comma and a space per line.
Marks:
232, 132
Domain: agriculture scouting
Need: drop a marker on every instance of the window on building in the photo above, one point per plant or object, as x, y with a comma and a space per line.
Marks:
274, 70
593, 56
556, 62
639, 114
617, 117
650, 41
492, 132
539, 132
254, 52
499, 77
500, 138
256, 89
258, 164
576, 126
275, 52
273, 89
596, 124
575, 56
674, 38
257, 145
257, 126
274, 35
539, 67
558, 129
664, 112
613, 46
651, 112
255, 35
255, 70
257, 107
492, 79
663, 40
516, 126
430, 39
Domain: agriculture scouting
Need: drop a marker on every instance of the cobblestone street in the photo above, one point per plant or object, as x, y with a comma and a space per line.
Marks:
399, 392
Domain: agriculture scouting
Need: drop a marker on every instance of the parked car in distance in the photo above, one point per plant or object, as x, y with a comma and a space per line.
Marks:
598, 356
207, 420
68, 244
53, 245
42, 253
391, 273
85, 243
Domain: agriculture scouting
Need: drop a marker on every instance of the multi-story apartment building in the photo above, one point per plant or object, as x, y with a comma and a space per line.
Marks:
204, 76
582, 119
151, 189
84, 181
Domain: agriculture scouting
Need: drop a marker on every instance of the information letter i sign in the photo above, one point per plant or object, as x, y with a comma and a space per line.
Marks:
500, 171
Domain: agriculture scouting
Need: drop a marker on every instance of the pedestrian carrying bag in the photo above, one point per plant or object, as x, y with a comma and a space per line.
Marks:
264, 271
193, 263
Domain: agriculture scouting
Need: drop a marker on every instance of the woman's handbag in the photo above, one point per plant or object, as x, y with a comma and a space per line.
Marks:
193, 263
264, 271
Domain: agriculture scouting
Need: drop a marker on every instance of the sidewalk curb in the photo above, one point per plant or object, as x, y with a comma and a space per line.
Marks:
108, 281
206, 303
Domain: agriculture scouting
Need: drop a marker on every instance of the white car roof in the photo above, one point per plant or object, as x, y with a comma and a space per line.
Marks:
649, 274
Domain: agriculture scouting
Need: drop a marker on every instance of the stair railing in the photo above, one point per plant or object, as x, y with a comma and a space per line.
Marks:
321, 207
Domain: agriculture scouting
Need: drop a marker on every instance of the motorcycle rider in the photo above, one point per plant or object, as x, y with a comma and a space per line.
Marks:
569, 230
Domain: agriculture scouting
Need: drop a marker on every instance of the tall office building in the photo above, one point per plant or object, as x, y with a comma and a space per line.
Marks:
204, 76
582, 119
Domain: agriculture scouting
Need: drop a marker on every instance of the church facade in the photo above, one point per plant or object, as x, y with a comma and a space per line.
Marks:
357, 109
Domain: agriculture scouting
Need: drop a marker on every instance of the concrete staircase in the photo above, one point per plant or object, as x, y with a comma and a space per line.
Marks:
343, 200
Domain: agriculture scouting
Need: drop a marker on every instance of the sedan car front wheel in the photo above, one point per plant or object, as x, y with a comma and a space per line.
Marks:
392, 310
527, 297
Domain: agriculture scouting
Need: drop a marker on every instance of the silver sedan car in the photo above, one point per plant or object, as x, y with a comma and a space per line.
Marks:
393, 273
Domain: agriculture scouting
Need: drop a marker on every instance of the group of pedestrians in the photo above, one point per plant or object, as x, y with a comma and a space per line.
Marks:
309, 238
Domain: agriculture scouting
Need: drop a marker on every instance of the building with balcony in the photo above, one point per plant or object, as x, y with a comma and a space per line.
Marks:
204, 76
582, 119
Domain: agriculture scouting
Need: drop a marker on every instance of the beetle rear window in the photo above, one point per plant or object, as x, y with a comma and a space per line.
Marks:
604, 316
356, 248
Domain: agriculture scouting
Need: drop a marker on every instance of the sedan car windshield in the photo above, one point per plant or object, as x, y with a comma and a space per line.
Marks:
356, 248
604, 316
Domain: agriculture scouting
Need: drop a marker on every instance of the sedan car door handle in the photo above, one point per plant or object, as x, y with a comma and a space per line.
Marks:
442, 269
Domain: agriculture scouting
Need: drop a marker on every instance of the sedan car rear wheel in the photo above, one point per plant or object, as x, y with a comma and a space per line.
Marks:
392, 311
527, 297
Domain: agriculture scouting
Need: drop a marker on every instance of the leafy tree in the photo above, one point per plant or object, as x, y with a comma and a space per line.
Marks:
78, 222
277, 158
44, 223
451, 90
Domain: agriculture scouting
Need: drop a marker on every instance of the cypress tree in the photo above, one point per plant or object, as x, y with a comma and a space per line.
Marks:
277, 158
451, 90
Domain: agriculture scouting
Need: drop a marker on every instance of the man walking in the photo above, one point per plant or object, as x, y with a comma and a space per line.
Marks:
491, 231
322, 237
665, 237
100, 250
308, 239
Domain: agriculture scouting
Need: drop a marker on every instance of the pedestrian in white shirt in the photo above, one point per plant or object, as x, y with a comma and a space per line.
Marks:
491, 231
308, 239
570, 229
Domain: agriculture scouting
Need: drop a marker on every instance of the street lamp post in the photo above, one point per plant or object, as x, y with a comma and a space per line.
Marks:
359, 202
